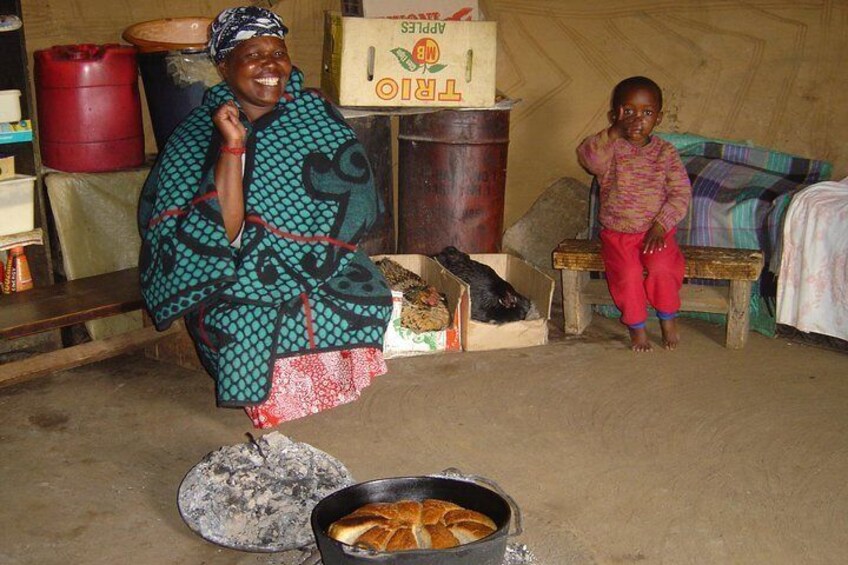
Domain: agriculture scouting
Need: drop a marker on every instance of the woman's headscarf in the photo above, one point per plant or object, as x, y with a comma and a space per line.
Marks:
234, 25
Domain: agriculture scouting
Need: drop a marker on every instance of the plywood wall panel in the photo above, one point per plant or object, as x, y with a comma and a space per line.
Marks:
761, 71
765, 71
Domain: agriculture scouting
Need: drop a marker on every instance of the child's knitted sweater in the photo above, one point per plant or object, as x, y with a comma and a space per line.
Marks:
639, 185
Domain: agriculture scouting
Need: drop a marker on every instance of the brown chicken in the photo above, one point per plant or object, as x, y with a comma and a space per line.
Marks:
424, 308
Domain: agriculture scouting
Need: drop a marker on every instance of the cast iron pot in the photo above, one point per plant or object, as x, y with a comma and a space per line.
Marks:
488, 551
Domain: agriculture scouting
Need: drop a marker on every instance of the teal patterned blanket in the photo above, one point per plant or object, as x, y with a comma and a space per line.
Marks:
297, 284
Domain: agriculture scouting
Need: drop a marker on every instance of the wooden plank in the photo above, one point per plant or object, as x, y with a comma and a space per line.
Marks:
693, 297
738, 315
700, 298
69, 303
578, 255
722, 263
718, 263
91, 352
32, 237
577, 313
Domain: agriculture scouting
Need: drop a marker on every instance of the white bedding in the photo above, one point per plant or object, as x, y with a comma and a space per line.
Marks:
812, 291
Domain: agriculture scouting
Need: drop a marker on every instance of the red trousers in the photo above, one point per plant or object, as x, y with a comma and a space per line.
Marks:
631, 289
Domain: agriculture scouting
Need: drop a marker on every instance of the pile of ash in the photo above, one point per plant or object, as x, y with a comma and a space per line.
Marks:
259, 496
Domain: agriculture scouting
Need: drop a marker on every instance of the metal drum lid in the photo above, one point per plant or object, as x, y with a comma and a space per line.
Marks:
259, 496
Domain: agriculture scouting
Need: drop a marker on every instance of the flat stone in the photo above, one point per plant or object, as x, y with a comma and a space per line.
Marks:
561, 212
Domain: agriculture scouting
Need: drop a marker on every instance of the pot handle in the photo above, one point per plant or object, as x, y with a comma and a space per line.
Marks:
453, 472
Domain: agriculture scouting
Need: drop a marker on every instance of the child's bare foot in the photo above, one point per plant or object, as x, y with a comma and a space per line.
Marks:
670, 333
639, 340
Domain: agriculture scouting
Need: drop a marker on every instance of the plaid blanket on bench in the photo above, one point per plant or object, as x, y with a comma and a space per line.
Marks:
740, 194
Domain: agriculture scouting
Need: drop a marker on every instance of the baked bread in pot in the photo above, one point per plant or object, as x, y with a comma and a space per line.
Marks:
470, 495
410, 524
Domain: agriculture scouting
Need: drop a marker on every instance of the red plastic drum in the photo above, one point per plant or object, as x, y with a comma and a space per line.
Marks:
89, 110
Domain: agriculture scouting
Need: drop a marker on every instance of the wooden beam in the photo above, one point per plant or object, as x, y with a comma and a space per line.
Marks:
722, 263
576, 311
693, 297
738, 315
91, 352
578, 255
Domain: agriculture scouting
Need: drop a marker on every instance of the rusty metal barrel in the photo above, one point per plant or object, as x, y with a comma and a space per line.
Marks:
451, 180
375, 134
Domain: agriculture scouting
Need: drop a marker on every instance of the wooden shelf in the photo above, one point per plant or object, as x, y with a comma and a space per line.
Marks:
14, 75
32, 237
68, 303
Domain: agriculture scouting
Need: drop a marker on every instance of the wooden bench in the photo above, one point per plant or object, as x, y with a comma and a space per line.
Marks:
576, 258
69, 303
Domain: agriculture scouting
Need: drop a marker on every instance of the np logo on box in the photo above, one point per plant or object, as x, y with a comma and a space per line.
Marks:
423, 58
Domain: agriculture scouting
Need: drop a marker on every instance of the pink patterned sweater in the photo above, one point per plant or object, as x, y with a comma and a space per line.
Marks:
639, 185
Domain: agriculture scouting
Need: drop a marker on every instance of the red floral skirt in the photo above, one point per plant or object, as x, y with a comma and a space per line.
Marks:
307, 384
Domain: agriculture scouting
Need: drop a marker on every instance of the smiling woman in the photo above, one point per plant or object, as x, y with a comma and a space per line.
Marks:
250, 221
257, 71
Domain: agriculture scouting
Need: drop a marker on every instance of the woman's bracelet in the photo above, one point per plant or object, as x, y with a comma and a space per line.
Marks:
233, 150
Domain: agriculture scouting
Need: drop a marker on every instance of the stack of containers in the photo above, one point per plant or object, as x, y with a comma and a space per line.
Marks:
17, 192
452, 164
175, 69
89, 109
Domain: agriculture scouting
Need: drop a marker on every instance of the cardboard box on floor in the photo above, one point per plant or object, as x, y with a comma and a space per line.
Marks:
527, 280
384, 62
457, 10
403, 342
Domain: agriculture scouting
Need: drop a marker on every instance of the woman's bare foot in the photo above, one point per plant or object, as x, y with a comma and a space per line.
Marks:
670, 333
639, 340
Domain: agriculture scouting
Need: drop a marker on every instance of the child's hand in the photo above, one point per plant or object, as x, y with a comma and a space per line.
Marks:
654, 239
624, 125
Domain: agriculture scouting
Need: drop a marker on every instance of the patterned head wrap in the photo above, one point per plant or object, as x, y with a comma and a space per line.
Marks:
235, 25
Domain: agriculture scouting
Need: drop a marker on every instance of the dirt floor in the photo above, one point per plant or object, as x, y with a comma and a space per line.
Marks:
703, 455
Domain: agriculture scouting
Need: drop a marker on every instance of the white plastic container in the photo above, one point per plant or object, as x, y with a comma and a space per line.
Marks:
7, 166
10, 105
17, 204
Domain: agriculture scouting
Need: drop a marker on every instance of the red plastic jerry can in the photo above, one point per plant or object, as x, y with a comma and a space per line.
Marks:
89, 109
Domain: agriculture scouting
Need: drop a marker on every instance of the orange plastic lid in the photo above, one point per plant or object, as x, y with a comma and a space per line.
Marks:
169, 34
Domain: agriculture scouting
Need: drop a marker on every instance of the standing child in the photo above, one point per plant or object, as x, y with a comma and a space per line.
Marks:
645, 192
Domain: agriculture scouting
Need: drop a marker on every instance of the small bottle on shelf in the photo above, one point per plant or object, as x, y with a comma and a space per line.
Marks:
17, 277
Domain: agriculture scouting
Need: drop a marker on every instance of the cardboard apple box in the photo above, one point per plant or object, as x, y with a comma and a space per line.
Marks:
458, 10
528, 281
385, 62
403, 342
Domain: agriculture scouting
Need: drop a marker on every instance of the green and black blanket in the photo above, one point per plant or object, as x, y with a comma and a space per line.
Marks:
297, 284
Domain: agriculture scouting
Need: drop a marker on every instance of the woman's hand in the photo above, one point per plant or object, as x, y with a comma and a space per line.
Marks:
226, 119
654, 239
228, 169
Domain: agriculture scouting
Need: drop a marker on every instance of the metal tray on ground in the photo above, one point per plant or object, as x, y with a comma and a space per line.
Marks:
258, 496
